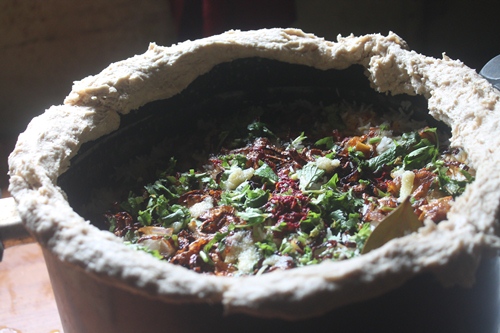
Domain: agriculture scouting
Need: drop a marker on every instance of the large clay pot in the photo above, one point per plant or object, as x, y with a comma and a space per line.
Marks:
422, 282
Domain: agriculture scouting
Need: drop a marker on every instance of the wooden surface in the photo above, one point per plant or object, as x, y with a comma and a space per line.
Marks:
27, 303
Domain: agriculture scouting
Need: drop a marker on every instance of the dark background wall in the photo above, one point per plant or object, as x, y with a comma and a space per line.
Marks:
465, 30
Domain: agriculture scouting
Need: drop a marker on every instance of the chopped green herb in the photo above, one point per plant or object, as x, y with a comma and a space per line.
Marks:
261, 202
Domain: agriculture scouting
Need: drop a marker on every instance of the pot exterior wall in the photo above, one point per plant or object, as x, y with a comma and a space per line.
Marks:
88, 304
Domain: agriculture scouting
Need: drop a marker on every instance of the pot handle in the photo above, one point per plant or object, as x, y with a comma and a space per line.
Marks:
12, 231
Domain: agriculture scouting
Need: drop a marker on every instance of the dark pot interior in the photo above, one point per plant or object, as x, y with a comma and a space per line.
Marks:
227, 88
421, 305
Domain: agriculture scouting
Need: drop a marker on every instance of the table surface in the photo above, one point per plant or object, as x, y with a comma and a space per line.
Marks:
27, 302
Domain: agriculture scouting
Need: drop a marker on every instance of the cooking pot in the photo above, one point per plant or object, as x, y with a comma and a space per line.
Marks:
69, 156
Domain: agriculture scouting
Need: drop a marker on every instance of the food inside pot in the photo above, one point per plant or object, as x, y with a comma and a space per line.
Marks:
289, 185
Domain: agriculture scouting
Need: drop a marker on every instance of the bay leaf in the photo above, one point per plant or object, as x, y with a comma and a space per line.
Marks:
400, 222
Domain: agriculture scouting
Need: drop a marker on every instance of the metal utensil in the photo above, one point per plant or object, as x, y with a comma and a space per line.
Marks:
491, 71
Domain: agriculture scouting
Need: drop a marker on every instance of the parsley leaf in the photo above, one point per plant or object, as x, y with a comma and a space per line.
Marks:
297, 142
420, 157
328, 142
362, 235
386, 158
256, 198
266, 173
312, 220
267, 248
452, 186
253, 216
308, 175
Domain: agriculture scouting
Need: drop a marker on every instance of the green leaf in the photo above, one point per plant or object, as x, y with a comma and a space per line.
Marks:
400, 147
386, 158
332, 183
253, 216
278, 227
400, 222
159, 206
362, 235
144, 217
408, 140
133, 204
297, 142
266, 173
112, 223
352, 221
328, 142
219, 236
179, 214
239, 160
256, 198
332, 201
138, 247
312, 220
467, 175
420, 157
267, 249
449, 185
338, 217
308, 175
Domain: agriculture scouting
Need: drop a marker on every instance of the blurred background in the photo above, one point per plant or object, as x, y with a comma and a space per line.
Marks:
46, 45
